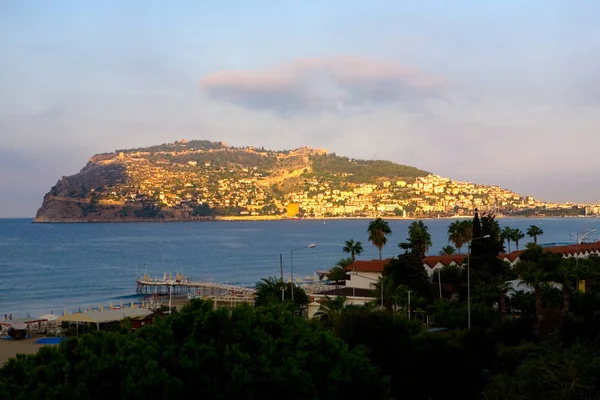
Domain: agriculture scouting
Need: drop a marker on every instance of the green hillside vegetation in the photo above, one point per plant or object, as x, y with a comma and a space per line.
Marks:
177, 146
359, 171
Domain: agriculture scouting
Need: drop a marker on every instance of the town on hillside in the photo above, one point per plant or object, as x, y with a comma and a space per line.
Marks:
188, 180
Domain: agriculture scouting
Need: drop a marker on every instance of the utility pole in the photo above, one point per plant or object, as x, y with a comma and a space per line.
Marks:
409, 292
440, 281
283, 284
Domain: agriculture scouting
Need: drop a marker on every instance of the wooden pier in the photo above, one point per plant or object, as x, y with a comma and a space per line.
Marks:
182, 287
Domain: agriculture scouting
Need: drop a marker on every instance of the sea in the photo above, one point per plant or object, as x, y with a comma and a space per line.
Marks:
52, 268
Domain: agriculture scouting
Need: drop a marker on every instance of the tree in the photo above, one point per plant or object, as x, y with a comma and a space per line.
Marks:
239, 353
407, 269
447, 251
331, 309
273, 290
517, 235
336, 274
549, 371
457, 234
344, 262
534, 231
507, 235
502, 286
378, 232
353, 248
566, 274
419, 237
535, 268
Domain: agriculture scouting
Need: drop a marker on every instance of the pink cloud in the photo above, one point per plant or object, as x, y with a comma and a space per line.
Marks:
316, 84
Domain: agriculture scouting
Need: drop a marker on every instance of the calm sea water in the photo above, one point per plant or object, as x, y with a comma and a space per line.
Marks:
51, 267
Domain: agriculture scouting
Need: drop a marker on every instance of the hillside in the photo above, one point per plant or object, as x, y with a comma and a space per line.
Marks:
195, 180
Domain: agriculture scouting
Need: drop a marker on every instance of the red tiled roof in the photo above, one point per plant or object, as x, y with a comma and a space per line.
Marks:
368, 266
512, 256
431, 261
572, 249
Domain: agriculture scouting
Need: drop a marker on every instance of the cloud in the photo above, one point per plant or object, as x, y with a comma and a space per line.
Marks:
312, 85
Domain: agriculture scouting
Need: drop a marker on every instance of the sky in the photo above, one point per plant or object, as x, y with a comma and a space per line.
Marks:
494, 92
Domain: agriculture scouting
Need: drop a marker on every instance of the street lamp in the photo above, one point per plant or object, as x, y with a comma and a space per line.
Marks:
409, 292
469, 280
310, 246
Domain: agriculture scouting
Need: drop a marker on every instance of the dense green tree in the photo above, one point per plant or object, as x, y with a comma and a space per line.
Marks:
353, 248
240, 353
336, 274
550, 371
535, 268
407, 269
379, 230
411, 359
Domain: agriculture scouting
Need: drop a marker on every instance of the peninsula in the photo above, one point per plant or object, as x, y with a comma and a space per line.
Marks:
203, 180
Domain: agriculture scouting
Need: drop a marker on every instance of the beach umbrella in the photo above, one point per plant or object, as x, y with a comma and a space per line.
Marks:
121, 304
111, 305
132, 304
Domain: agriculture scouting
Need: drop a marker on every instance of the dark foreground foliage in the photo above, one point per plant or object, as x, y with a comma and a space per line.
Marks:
244, 353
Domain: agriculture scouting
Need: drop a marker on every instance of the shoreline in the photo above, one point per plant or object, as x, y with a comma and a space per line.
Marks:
269, 218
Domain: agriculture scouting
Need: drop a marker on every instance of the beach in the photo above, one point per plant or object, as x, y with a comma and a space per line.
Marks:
10, 348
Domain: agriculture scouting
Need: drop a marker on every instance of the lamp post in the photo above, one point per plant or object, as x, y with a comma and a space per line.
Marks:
310, 246
469, 280
409, 292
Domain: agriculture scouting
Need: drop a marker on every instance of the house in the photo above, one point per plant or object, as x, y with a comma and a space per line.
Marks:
433, 263
584, 250
138, 322
364, 274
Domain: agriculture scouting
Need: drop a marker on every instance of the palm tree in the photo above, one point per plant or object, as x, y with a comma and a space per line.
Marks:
344, 262
447, 251
467, 228
331, 309
353, 248
534, 231
456, 234
268, 290
378, 232
517, 235
566, 275
506, 235
502, 286
533, 276
419, 237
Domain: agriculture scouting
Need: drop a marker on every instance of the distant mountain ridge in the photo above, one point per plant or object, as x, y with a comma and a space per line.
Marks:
199, 179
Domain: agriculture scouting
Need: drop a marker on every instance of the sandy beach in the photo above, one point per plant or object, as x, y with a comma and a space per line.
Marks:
10, 348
